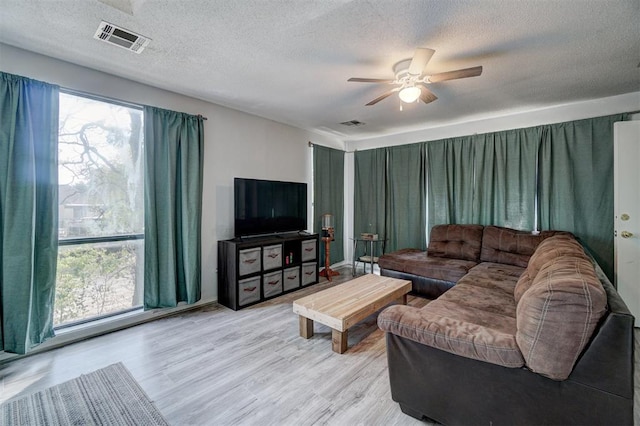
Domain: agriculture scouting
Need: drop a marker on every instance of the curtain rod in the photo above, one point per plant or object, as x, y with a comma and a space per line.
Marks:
311, 144
111, 100
355, 150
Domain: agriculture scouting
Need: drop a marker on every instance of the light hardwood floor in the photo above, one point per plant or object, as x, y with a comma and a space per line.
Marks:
214, 366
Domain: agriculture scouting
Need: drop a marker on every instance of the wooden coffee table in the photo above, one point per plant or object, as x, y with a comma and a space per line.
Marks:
344, 305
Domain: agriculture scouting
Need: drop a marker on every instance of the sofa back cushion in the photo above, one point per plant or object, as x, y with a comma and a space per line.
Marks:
456, 241
506, 245
557, 315
550, 248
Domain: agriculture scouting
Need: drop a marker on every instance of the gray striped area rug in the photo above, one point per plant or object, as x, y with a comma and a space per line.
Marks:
109, 396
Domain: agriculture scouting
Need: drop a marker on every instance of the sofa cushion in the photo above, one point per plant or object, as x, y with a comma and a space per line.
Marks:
494, 275
509, 246
482, 297
414, 261
557, 315
469, 332
398, 260
551, 248
523, 284
440, 268
456, 241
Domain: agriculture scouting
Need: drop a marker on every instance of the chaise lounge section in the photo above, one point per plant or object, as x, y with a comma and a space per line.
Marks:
537, 335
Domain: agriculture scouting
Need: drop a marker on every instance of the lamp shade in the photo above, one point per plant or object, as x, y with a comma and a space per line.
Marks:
327, 221
409, 94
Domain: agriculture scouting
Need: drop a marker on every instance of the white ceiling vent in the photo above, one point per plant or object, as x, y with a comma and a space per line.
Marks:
120, 37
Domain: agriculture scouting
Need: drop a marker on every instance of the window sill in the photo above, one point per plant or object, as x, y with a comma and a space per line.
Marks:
98, 322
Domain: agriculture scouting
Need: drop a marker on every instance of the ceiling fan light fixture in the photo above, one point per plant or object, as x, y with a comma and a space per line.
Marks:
409, 94
411, 83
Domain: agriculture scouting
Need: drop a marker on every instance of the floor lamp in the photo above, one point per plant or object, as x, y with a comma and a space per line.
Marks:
327, 237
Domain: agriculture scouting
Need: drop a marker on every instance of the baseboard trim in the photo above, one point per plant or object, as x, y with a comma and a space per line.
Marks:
108, 325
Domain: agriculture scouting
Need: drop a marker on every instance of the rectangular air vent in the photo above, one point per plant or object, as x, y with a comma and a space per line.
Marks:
352, 123
120, 37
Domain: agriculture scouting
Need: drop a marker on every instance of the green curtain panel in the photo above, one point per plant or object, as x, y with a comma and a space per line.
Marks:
174, 144
370, 176
450, 181
496, 179
576, 183
504, 189
328, 196
28, 208
406, 197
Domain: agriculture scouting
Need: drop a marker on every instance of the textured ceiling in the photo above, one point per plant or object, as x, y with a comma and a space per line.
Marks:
289, 61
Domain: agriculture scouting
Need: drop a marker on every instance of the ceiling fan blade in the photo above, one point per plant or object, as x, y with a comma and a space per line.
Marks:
426, 95
452, 75
383, 96
420, 59
371, 80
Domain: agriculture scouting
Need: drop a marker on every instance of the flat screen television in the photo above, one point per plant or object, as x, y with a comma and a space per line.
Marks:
269, 207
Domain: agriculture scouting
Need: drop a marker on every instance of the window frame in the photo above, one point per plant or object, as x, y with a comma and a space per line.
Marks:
101, 239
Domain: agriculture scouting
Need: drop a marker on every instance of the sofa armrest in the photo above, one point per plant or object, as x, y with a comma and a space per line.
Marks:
611, 348
453, 335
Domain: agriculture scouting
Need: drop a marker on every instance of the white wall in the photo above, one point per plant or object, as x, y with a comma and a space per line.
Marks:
236, 144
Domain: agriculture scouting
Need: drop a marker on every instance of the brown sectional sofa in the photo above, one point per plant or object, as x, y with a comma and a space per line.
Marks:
455, 249
526, 330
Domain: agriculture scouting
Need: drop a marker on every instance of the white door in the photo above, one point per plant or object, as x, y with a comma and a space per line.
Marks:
626, 163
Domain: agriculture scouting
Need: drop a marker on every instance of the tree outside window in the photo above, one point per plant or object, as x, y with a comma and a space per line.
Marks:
100, 165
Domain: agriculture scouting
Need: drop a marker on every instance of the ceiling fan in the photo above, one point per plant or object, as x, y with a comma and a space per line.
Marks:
411, 83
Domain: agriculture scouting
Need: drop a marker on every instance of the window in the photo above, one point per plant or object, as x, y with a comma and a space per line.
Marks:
101, 216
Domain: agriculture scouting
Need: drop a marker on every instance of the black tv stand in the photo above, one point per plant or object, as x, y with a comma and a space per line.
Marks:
256, 268
281, 235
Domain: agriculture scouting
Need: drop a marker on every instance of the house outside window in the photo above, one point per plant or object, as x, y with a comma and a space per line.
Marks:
101, 213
